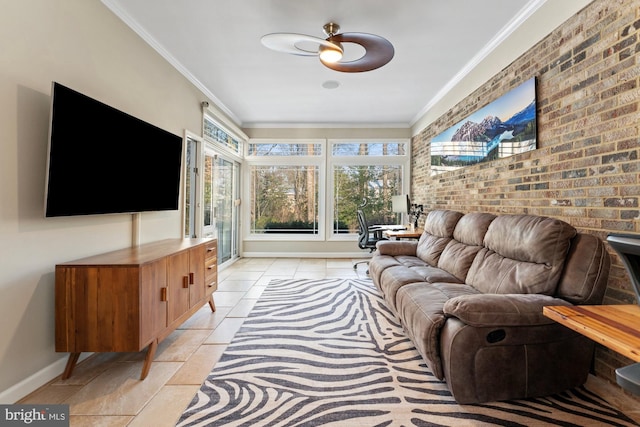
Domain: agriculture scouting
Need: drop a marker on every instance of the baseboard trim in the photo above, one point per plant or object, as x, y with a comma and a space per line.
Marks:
358, 255
35, 381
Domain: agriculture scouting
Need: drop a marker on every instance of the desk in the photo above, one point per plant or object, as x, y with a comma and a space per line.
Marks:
614, 326
404, 234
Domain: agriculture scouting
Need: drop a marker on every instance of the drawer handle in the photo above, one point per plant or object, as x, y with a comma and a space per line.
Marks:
211, 267
185, 281
163, 294
191, 278
210, 249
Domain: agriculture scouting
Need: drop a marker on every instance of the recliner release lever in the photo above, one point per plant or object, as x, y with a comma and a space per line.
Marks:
496, 336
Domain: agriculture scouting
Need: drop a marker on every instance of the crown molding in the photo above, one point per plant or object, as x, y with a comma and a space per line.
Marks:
131, 23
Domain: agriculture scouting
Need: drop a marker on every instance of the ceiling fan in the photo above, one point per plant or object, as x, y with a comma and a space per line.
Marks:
378, 50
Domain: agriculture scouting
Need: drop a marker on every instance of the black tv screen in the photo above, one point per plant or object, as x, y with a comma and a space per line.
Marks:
104, 161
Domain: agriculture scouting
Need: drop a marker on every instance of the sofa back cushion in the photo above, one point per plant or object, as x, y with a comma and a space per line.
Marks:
438, 231
468, 237
522, 254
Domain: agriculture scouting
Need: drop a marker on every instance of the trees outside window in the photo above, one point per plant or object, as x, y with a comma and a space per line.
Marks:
284, 199
287, 185
367, 187
366, 175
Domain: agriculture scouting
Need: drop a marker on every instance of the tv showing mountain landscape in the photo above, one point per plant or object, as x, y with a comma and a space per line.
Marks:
505, 127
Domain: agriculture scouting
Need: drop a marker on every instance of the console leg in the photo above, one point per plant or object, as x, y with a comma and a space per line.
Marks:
148, 359
71, 363
212, 303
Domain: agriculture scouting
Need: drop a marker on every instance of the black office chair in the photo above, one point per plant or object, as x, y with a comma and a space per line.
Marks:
368, 236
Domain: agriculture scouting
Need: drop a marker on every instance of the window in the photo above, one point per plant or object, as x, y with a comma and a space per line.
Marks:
190, 186
366, 187
285, 149
285, 188
365, 175
285, 199
286, 180
212, 131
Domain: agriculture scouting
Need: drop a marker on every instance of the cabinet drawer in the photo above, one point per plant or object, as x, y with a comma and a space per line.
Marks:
211, 267
211, 271
211, 251
212, 284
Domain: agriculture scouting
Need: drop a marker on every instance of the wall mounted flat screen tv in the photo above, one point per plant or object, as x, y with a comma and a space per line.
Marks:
104, 161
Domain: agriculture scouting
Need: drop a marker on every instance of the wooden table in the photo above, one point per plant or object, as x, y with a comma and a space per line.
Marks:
404, 234
614, 326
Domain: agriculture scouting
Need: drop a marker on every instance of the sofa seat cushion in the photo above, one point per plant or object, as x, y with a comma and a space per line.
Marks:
382, 262
434, 274
394, 278
523, 254
420, 310
411, 261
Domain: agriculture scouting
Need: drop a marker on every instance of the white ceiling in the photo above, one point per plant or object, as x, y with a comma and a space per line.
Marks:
216, 44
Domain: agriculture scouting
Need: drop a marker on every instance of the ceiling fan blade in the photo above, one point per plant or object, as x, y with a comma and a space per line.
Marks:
378, 52
291, 43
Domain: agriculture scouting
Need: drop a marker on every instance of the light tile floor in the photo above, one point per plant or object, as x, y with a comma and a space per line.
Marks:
105, 389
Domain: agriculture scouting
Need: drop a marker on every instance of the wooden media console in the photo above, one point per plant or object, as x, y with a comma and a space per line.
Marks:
129, 299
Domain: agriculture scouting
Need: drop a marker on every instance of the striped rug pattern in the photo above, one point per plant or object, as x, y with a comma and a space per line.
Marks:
330, 353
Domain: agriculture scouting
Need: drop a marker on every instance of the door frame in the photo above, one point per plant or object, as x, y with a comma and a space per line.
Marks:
202, 148
210, 149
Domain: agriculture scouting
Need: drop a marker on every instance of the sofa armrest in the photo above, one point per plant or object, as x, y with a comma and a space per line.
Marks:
397, 247
482, 310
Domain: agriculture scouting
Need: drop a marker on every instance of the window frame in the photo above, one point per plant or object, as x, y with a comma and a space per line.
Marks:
403, 160
318, 161
236, 135
325, 163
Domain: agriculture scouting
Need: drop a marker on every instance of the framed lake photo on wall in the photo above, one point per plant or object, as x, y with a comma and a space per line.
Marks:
505, 127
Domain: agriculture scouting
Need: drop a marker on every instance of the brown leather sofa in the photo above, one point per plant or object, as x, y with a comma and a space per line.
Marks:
470, 294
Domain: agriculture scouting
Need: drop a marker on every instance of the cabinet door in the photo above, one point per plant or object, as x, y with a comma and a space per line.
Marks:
153, 316
99, 309
196, 275
178, 283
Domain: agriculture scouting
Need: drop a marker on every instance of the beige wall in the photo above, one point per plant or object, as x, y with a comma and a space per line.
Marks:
81, 44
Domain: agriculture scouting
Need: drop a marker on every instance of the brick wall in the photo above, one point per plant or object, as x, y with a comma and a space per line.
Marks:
586, 169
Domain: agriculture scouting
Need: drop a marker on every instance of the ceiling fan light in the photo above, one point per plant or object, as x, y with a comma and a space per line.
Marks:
330, 55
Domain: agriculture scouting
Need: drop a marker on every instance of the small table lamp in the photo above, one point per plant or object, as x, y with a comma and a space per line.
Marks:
401, 204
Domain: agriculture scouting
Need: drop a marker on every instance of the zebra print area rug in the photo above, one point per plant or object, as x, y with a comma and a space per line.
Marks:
329, 352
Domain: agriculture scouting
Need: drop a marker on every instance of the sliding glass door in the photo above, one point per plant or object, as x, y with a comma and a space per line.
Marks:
212, 197
220, 219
